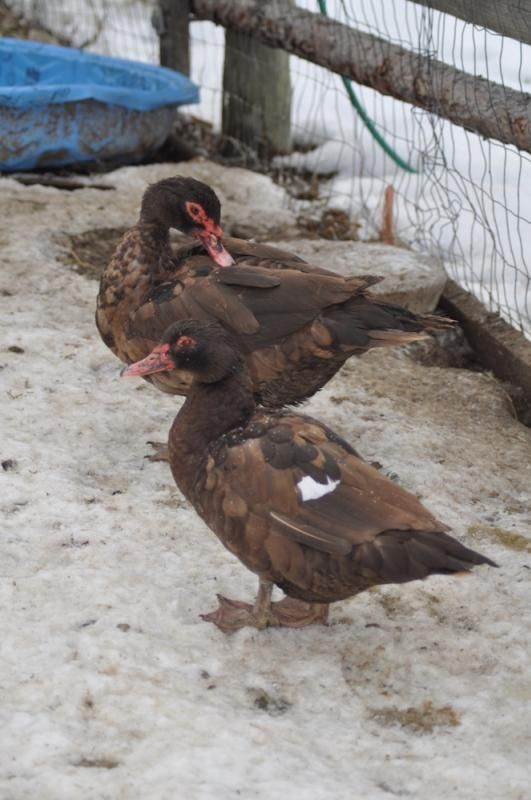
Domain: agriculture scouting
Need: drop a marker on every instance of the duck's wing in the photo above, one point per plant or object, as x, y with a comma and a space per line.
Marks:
263, 254
249, 301
240, 249
299, 488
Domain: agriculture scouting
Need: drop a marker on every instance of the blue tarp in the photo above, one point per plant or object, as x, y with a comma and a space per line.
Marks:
62, 106
41, 74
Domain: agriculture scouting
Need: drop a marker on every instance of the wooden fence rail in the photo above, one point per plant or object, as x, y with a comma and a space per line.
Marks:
474, 103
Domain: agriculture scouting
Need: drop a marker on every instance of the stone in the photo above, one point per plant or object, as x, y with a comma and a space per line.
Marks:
411, 280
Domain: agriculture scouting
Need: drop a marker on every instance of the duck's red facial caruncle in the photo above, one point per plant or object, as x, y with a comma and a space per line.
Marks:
158, 360
209, 233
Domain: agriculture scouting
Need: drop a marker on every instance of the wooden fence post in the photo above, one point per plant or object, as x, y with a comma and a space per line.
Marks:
174, 41
256, 95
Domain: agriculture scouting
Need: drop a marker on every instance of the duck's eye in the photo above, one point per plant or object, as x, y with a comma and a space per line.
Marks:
195, 211
185, 341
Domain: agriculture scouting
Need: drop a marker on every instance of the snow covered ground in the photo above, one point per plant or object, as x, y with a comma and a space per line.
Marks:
111, 685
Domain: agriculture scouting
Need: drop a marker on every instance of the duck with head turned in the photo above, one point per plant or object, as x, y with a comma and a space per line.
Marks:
189, 206
291, 499
295, 323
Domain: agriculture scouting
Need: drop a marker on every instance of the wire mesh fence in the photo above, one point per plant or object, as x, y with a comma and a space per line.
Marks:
120, 28
467, 200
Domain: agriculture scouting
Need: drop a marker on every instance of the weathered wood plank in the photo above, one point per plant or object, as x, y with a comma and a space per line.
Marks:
497, 345
479, 105
172, 21
508, 17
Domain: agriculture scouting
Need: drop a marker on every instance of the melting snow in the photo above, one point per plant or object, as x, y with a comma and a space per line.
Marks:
111, 684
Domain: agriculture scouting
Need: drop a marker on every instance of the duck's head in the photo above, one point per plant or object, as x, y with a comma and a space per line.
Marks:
202, 348
191, 207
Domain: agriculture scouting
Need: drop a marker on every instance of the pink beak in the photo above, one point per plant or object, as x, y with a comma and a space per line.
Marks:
214, 246
157, 361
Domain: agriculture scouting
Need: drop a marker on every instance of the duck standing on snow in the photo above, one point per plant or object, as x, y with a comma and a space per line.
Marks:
292, 500
295, 323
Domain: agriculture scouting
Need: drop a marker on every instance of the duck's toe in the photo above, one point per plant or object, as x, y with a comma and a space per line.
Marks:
231, 615
292, 613
161, 452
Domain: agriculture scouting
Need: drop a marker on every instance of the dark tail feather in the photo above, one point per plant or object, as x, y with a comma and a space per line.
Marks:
364, 322
458, 556
412, 555
434, 322
406, 320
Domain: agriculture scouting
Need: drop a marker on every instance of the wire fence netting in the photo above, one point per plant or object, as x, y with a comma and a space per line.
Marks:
467, 200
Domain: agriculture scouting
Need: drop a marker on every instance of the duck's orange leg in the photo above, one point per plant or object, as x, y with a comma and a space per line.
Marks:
231, 615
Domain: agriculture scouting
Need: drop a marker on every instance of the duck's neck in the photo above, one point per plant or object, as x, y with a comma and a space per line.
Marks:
155, 255
209, 411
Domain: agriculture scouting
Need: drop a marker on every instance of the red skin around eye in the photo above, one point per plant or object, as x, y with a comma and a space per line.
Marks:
209, 234
184, 341
199, 215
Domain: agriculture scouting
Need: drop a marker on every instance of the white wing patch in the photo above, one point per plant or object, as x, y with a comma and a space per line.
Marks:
312, 490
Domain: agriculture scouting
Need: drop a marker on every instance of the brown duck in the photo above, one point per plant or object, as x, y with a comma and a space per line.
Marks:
292, 500
296, 323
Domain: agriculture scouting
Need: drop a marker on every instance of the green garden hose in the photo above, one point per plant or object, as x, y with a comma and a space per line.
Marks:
369, 124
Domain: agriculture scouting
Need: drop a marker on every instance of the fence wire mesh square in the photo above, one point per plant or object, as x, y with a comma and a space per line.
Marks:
467, 201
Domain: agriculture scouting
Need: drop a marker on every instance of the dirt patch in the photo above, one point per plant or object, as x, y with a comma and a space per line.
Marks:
391, 602
97, 763
420, 719
446, 348
509, 539
274, 706
89, 252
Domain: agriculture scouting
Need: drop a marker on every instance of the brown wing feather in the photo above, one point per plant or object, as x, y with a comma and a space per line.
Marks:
264, 255
241, 249
264, 305
363, 504
200, 299
252, 277
365, 530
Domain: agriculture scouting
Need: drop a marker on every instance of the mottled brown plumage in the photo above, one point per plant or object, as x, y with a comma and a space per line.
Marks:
292, 500
296, 323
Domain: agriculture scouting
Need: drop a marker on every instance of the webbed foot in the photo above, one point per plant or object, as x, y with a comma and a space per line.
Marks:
231, 615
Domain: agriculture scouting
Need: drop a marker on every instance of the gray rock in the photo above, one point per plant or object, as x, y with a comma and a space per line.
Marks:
412, 280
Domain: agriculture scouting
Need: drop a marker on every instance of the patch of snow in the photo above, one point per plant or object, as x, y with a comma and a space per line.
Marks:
411, 279
112, 685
